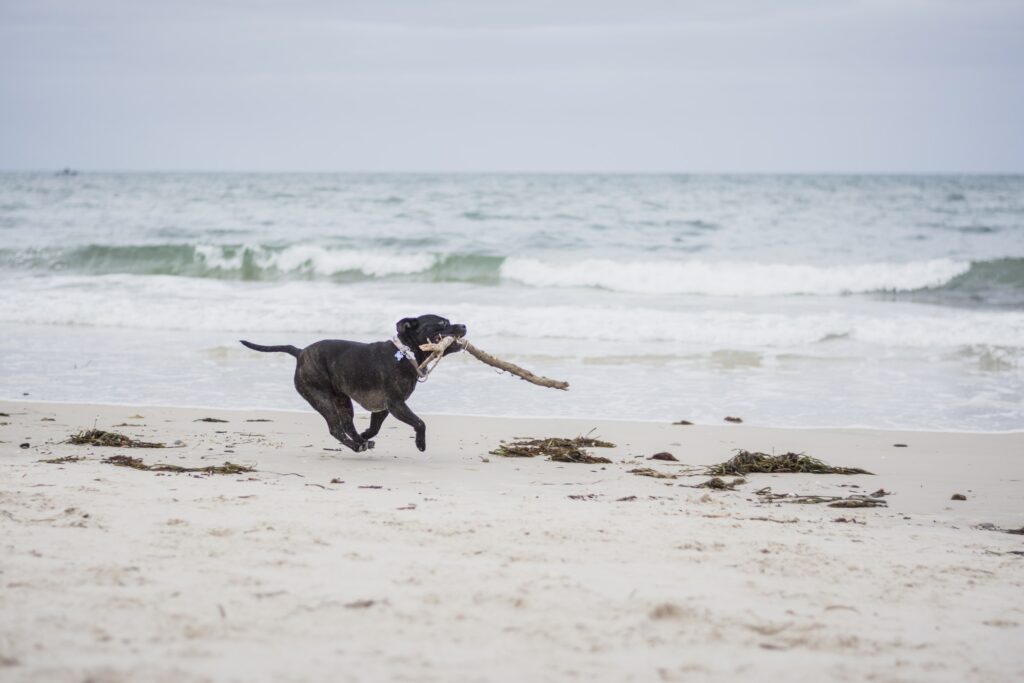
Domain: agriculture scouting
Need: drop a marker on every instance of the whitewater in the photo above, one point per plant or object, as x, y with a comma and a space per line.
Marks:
880, 301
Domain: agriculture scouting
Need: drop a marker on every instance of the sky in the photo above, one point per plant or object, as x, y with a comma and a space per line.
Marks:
759, 86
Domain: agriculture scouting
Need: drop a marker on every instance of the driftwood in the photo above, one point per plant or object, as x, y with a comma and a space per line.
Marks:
484, 357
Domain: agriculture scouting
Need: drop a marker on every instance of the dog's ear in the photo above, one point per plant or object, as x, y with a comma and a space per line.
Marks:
406, 324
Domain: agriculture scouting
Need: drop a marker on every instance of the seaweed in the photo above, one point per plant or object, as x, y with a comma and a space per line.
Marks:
649, 472
989, 526
746, 462
137, 464
721, 485
854, 501
63, 460
209, 419
858, 502
579, 457
557, 449
99, 437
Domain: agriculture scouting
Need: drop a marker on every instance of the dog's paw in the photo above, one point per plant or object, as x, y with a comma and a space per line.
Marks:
367, 445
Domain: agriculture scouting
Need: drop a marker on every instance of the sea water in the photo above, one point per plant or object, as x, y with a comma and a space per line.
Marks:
818, 300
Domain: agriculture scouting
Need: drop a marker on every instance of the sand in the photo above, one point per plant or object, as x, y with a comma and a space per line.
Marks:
459, 565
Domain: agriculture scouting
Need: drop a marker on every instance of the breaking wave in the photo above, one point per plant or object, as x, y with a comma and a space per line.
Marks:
997, 282
734, 279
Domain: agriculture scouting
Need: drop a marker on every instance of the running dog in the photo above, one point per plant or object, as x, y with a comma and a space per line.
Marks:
380, 377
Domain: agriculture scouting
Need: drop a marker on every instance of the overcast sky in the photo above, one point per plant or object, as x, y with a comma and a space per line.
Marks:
520, 85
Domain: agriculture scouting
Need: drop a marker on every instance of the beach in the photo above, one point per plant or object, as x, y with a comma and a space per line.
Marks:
765, 262
458, 564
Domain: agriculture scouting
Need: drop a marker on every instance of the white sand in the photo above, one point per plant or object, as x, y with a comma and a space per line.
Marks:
470, 567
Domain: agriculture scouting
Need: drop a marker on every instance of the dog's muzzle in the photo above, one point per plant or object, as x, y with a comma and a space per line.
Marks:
457, 331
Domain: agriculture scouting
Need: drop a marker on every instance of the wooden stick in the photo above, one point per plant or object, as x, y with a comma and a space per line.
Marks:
485, 357
437, 350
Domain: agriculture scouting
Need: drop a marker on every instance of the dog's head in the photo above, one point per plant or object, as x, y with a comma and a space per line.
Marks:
428, 328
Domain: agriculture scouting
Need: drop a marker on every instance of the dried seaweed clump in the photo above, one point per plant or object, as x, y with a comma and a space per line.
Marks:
98, 437
555, 448
858, 502
721, 485
580, 456
650, 472
854, 501
745, 462
137, 464
63, 460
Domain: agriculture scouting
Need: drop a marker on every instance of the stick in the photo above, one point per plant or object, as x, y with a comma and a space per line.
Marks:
437, 350
485, 357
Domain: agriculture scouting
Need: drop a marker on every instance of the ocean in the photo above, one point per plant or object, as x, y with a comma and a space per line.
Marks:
797, 301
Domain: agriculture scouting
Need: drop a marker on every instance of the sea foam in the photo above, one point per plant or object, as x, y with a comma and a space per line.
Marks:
316, 260
369, 311
732, 278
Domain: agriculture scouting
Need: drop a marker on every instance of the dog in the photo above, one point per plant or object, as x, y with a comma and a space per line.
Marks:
380, 377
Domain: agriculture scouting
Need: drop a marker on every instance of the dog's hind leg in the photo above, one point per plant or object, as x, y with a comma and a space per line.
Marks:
376, 420
331, 408
402, 412
346, 414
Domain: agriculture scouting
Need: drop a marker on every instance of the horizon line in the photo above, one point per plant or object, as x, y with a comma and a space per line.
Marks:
82, 170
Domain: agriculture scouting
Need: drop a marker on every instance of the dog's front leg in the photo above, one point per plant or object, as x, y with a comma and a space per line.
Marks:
402, 412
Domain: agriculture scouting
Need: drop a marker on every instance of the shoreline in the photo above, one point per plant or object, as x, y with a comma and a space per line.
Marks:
459, 564
360, 413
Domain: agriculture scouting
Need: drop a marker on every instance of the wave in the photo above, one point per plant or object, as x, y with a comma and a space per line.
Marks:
231, 262
732, 278
311, 260
999, 282
320, 308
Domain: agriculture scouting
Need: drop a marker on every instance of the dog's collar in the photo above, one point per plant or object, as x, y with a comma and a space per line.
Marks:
405, 352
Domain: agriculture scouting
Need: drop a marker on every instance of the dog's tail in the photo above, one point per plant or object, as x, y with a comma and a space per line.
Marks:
287, 348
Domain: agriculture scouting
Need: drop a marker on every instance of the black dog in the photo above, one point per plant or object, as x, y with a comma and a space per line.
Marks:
380, 377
